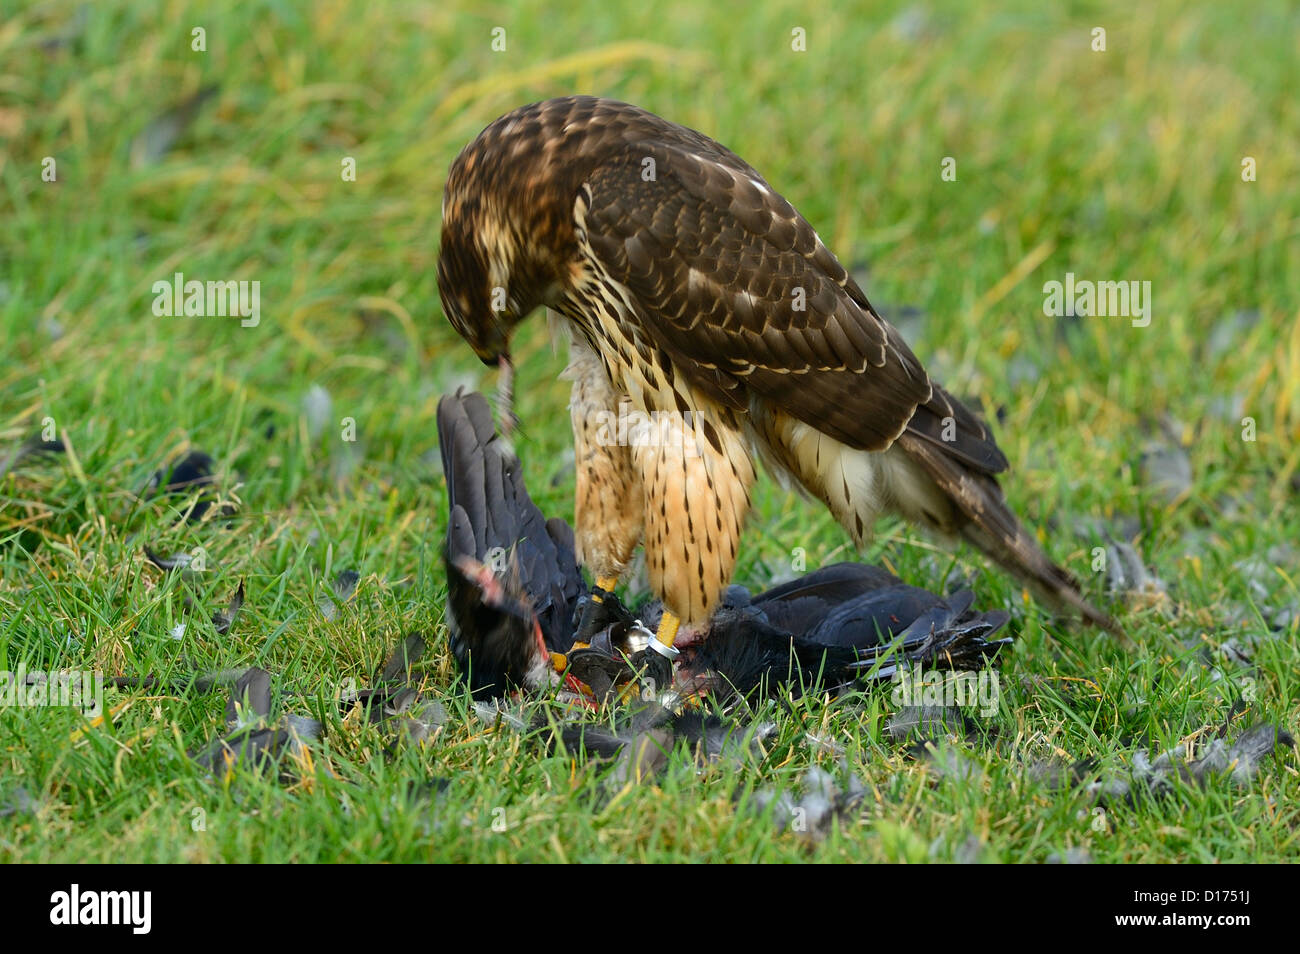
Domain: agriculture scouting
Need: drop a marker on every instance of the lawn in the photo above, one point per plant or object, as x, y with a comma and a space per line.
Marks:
1179, 436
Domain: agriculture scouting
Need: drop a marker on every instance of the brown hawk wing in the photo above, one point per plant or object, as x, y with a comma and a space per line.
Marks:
739, 291
735, 286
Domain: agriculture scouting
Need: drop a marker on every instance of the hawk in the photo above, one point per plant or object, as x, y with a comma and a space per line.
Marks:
704, 309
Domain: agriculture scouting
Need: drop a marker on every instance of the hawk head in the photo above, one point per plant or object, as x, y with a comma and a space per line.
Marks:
474, 281
507, 230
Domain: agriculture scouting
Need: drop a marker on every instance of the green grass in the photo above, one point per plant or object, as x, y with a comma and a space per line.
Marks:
1117, 165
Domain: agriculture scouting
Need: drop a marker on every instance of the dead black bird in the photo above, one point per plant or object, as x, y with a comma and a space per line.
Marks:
512, 577
515, 590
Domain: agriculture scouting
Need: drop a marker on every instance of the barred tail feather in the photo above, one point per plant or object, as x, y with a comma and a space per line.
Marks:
978, 512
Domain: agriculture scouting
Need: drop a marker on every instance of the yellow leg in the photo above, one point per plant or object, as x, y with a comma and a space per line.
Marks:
658, 657
667, 633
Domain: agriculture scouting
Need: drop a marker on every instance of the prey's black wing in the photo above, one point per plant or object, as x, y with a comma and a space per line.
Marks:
495, 525
842, 622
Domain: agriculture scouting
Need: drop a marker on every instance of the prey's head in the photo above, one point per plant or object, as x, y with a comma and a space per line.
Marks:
496, 636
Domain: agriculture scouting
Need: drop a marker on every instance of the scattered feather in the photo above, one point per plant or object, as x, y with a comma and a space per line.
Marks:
19, 802
1238, 761
1126, 574
251, 740
177, 561
403, 657
317, 411
1166, 469
914, 723
191, 475
342, 590
157, 138
1227, 333
817, 803
224, 619
34, 446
